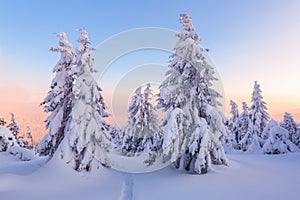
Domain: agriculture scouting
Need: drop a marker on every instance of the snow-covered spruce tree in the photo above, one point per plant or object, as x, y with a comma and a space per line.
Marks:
233, 121
117, 136
22, 141
244, 126
291, 126
86, 139
278, 141
192, 124
131, 139
228, 138
259, 117
29, 138
234, 113
2, 122
248, 139
258, 111
58, 100
152, 136
143, 124
114, 132
14, 127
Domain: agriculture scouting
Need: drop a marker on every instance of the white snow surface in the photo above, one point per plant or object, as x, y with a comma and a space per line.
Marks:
249, 176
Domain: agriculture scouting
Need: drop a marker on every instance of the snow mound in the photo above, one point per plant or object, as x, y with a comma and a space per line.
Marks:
278, 142
21, 153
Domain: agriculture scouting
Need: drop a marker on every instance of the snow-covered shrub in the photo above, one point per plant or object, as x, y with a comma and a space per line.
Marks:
21, 153
278, 142
7, 139
250, 143
266, 132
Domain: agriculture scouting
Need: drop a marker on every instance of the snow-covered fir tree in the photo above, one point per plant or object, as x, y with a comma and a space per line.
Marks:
278, 141
233, 122
15, 130
114, 132
234, 114
244, 129
58, 100
30, 144
258, 111
143, 125
86, 139
291, 126
192, 125
228, 138
13, 126
2, 122
152, 136
117, 136
259, 117
247, 138
131, 139
22, 141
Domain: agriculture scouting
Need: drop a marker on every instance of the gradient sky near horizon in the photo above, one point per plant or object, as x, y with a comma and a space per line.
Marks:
248, 40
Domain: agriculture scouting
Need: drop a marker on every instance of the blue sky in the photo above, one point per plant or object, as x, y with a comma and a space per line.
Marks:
248, 40
27, 26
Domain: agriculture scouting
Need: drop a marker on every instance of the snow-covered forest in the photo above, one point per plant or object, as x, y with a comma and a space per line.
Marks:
194, 136
252, 130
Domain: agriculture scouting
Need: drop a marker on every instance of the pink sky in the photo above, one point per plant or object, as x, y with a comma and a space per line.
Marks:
25, 105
